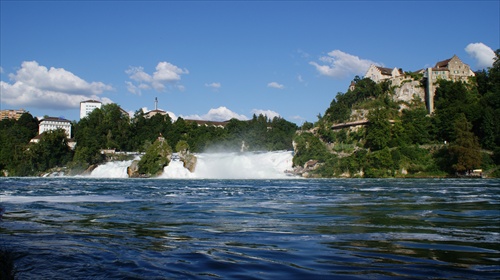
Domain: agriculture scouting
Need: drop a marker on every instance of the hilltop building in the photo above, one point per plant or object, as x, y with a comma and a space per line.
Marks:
151, 113
407, 88
378, 74
86, 107
11, 114
209, 123
51, 123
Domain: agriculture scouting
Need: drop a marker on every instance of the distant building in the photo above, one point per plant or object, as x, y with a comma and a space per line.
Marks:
156, 111
452, 69
378, 74
209, 123
151, 113
51, 123
11, 114
86, 107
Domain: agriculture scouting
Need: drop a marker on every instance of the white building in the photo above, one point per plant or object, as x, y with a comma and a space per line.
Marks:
86, 107
51, 123
377, 73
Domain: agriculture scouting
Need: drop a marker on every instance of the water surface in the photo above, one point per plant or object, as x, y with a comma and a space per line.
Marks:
88, 228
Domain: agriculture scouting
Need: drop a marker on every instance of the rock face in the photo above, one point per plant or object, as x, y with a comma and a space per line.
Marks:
185, 156
189, 161
133, 170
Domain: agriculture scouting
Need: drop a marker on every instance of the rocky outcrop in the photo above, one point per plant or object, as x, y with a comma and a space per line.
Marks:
156, 158
133, 170
305, 171
189, 160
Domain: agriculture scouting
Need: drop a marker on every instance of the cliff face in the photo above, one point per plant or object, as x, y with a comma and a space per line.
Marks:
408, 90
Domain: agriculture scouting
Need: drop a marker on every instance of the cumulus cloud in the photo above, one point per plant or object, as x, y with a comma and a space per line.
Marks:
213, 85
166, 74
268, 113
218, 114
338, 64
483, 54
34, 85
275, 85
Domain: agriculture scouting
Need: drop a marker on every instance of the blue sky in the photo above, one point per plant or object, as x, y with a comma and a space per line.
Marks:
221, 59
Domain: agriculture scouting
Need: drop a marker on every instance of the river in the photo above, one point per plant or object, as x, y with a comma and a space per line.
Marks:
108, 228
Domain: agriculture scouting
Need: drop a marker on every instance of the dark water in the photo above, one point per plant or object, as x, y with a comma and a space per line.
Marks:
80, 228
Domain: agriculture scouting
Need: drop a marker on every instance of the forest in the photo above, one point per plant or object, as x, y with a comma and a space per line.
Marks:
461, 135
108, 129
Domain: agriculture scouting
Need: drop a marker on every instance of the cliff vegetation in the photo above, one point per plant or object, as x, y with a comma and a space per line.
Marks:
369, 132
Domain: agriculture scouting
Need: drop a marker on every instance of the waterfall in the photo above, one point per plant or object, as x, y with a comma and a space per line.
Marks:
247, 165
112, 169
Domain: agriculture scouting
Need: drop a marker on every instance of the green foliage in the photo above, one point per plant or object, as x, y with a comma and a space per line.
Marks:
409, 142
378, 131
182, 146
156, 158
379, 164
465, 150
309, 147
14, 140
416, 125
51, 151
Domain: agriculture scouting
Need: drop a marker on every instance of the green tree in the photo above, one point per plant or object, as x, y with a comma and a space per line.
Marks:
465, 150
51, 151
378, 131
156, 158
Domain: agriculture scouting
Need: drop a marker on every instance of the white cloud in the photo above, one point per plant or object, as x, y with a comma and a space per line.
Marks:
218, 114
34, 85
275, 85
339, 64
1, 70
483, 54
166, 73
268, 113
213, 85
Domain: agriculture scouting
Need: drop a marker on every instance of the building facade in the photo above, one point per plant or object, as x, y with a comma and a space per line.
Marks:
86, 107
452, 69
51, 123
378, 74
11, 114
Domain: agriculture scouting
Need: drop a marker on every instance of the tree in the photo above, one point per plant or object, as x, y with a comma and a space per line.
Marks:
465, 150
417, 125
156, 158
378, 131
51, 151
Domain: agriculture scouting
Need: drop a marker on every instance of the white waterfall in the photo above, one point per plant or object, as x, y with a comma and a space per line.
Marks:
247, 165
112, 169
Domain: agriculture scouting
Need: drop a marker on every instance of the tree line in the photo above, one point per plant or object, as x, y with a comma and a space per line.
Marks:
109, 128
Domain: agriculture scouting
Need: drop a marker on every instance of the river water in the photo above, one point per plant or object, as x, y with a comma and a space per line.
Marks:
98, 228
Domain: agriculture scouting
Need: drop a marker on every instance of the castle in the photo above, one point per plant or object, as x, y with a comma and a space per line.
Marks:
407, 88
